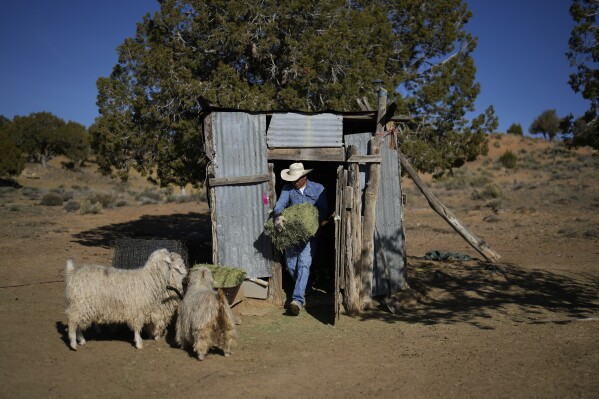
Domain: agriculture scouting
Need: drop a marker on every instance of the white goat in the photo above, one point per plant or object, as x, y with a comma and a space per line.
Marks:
205, 318
102, 294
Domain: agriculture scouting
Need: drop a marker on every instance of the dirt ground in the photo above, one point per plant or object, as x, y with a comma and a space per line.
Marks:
527, 327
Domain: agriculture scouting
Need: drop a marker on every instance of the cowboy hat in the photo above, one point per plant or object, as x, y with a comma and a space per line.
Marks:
295, 171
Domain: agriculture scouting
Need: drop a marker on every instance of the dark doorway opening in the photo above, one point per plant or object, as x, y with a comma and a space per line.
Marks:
321, 285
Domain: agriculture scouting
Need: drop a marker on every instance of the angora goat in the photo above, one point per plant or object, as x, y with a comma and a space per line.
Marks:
205, 318
101, 294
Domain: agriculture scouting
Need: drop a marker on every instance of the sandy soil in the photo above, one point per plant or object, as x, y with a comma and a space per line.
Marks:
527, 327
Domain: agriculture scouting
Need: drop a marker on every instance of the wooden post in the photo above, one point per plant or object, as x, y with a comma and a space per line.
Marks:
350, 207
370, 198
446, 214
275, 286
356, 220
211, 190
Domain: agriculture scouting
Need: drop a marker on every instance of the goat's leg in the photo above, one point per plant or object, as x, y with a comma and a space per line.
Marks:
137, 338
73, 335
80, 338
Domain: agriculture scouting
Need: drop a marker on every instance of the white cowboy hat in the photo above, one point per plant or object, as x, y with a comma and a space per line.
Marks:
295, 171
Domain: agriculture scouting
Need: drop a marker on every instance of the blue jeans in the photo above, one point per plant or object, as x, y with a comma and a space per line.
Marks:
299, 260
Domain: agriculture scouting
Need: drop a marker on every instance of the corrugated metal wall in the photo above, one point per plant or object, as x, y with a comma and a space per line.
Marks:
240, 150
297, 130
389, 215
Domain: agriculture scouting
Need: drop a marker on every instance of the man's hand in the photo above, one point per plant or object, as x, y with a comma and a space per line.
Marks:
280, 222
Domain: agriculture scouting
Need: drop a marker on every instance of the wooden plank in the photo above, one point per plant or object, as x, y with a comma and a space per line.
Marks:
212, 192
228, 181
365, 159
334, 154
352, 297
447, 215
356, 216
370, 198
275, 286
337, 220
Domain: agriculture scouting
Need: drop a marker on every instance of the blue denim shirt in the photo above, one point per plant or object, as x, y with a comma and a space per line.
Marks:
313, 194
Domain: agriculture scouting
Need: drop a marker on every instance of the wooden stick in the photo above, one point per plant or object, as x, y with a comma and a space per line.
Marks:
446, 214
258, 281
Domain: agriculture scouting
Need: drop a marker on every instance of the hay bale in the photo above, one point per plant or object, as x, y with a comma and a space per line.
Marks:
224, 276
301, 223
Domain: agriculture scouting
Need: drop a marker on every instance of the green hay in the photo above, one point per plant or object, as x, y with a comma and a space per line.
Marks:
301, 223
224, 276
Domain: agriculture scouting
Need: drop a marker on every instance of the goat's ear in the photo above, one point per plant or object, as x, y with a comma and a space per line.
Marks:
206, 274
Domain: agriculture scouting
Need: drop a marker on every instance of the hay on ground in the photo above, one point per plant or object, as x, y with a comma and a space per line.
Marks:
301, 223
224, 276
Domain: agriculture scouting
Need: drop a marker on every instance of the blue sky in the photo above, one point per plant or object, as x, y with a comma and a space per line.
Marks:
54, 51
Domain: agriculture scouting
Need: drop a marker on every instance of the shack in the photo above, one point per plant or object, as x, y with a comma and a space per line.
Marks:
247, 151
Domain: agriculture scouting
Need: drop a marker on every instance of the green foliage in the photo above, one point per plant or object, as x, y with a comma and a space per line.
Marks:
582, 131
37, 135
52, 199
547, 124
435, 152
72, 206
508, 159
301, 223
12, 161
105, 199
490, 191
88, 207
149, 196
283, 55
41, 136
583, 55
223, 276
74, 143
485, 123
583, 52
515, 128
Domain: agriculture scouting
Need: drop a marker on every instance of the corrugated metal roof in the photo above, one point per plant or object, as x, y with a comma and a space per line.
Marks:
299, 130
240, 150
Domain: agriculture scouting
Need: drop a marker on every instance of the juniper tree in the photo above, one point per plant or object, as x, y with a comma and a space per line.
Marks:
285, 55
547, 124
41, 136
36, 135
583, 55
515, 128
12, 161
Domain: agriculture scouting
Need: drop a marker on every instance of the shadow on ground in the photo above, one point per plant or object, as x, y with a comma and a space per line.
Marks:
192, 228
446, 292
474, 292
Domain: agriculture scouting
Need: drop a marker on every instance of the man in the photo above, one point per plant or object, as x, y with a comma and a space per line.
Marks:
299, 257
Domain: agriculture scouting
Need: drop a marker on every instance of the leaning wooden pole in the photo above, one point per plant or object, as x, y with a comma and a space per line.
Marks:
446, 214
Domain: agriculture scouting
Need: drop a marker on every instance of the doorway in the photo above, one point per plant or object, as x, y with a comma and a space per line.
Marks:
321, 284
